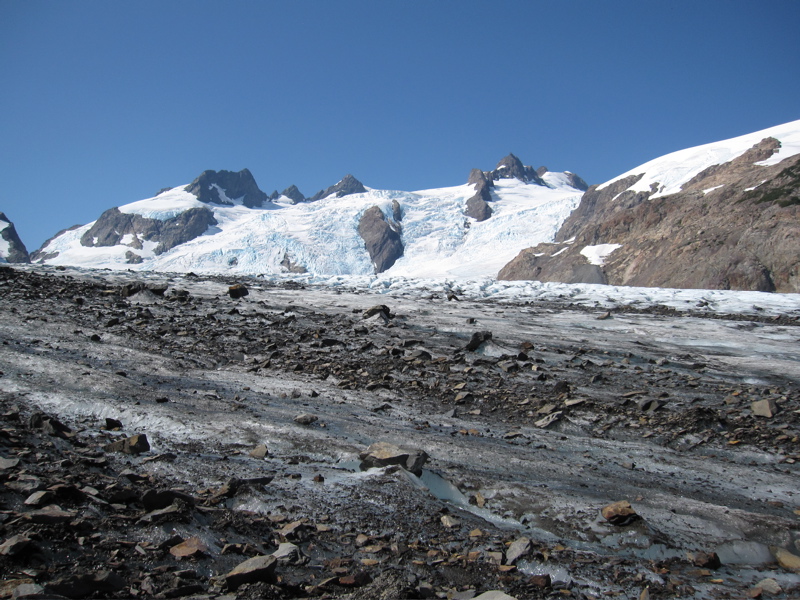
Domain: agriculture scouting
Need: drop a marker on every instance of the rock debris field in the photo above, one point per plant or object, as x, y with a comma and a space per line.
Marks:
180, 436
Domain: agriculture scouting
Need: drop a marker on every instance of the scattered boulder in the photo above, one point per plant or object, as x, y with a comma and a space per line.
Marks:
253, 570
237, 291
383, 454
705, 560
381, 310
86, 584
786, 559
619, 513
194, 547
764, 408
15, 545
306, 419
518, 548
136, 444
259, 451
478, 338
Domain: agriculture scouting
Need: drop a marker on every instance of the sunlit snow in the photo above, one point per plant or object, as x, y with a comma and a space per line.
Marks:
439, 240
671, 171
596, 255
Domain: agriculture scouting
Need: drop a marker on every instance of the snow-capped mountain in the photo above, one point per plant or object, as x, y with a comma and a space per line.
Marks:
12, 249
724, 215
222, 223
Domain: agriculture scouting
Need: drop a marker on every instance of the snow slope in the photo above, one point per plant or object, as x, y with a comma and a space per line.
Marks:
323, 236
5, 246
671, 171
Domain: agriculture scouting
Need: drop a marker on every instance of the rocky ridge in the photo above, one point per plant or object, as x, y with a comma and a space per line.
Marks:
732, 226
226, 187
12, 249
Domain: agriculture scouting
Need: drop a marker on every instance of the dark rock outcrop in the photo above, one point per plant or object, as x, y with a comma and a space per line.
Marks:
292, 266
294, 194
236, 186
382, 240
113, 226
478, 205
733, 226
348, 185
576, 181
511, 167
16, 253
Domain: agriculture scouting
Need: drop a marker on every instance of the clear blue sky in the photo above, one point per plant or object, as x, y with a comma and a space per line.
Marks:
103, 103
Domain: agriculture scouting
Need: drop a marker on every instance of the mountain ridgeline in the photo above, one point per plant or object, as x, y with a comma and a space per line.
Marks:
222, 221
724, 215
731, 225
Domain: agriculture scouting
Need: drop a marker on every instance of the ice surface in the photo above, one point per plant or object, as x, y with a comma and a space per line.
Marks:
323, 236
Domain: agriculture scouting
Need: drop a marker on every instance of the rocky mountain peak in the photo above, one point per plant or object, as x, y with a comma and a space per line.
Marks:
511, 167
294, 194
11, 247
348, 185
234, 186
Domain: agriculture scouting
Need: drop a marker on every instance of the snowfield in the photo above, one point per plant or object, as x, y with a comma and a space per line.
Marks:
672, 171
323, 236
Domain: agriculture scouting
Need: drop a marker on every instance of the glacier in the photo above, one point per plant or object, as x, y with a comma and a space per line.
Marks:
322, 236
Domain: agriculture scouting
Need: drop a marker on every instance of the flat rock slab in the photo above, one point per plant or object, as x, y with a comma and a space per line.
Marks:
8, 463
764, 408
49, 515
253, 570
192, 548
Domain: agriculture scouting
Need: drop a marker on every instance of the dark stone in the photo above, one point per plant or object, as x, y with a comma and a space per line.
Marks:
237, 291
17, 253
236, 186
348, 185
381, 239
113, 424
48, 424
112, 225
381, 309
258, 568
161, 499
706, 560
135, 444
86, 584
383, 454
478, 338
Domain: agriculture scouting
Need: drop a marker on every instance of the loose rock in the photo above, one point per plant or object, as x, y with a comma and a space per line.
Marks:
258, 568
619, 513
